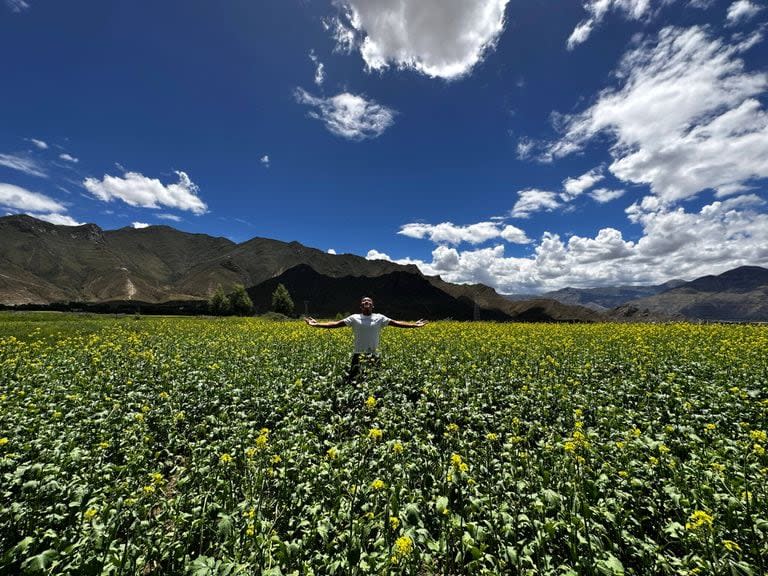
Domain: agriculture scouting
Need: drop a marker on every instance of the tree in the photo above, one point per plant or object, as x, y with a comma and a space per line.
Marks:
219, 304
282, 301
240, 302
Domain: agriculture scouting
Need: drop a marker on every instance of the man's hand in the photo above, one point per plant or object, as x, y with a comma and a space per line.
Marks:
420, 322
309, 320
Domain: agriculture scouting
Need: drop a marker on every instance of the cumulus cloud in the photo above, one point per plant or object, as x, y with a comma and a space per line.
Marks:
331, 251
265, 160
22, 164
449, 233
597, 9
533, 200
69, 158
319, 68
574, 187
686, 117
348, 115
742, 10
138, 190
434, 37
376, 255
674, 244
138, 225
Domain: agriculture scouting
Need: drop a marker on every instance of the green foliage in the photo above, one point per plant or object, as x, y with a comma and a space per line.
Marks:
220, 304
231, 446
282, 301
240, 301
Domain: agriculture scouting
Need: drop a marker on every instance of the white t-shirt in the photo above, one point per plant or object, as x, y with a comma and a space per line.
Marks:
367, 330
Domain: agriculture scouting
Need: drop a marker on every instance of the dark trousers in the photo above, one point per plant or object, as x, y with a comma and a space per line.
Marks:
360, 363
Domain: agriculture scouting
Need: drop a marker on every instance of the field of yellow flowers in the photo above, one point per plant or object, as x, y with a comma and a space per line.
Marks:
231, 446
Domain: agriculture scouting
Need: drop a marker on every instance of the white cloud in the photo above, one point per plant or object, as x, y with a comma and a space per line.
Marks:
17, 5
60, 219
674, 244
533, 200
525, 148
137, 190
139, 225
742, 10
348, 115
69, 158
171, 217
22, 164
39, 143
597, 9
448, 232
331, 251
319, 68
438, 38
686, 118
376, 255
265, 160
575, 187
603, 195
18, 198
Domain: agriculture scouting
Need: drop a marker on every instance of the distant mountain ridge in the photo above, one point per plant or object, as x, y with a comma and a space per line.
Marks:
740, 294
43, 264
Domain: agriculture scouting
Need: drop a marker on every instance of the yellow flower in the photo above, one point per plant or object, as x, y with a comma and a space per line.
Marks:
89, 514
276, 459
709, 427
491, 436
250, 530
403, 546
149, 489
757, 449
375, 433
262, 441
250, 453
179, 416
104, 445
452, 428
370, 403
623, 473
3, 441
157, 478
620, 445
663, 449
456, 460
394, 522
378, 484
731, 546
699, 519
332, 453
569, 446
759, 436
225, 459
163, 395
138, 417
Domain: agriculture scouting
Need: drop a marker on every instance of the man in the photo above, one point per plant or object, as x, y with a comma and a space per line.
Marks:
366, 327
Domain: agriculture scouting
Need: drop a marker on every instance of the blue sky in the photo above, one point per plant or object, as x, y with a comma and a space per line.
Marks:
525, 145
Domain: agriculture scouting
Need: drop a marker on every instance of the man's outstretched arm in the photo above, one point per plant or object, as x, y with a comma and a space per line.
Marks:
315, 324
399, 324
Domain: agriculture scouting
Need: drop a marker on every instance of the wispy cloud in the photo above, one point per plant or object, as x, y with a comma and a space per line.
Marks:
436, 38
69, 158
172, 217
138, 190
23, 164
348, 115
265, 160
319, 68
18, 198
17, 5
42, 145
597, 10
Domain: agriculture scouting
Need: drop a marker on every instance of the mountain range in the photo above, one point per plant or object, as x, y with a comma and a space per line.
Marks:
162, 269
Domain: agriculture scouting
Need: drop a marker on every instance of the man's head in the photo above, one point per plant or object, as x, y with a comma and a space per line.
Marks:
366, 305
